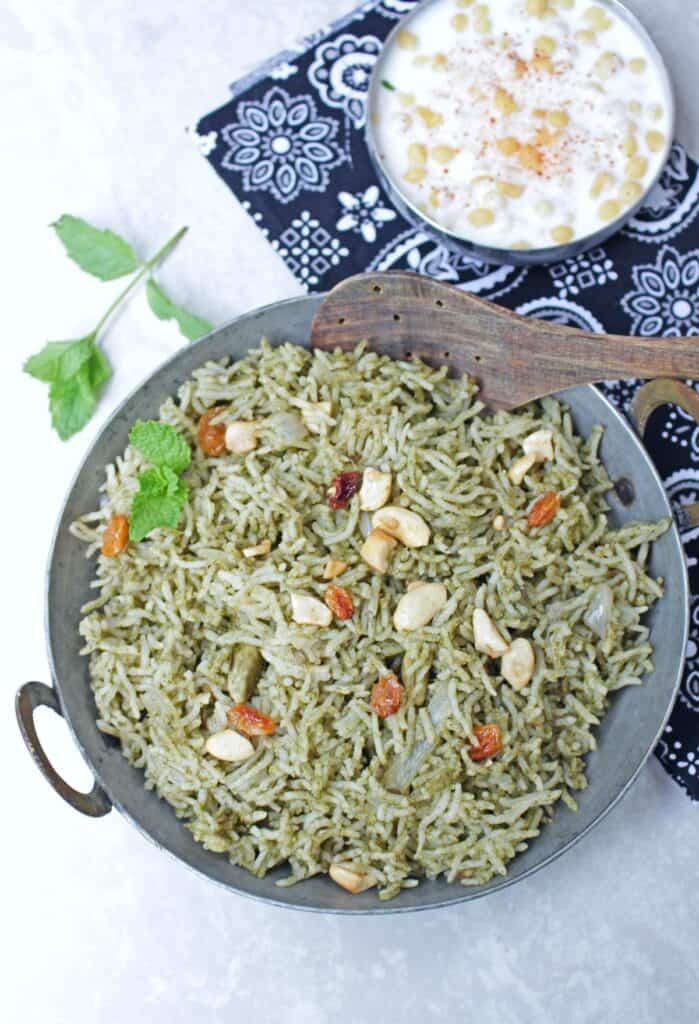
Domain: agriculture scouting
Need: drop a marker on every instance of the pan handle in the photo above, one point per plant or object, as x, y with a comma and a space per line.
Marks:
650, 397
34, 695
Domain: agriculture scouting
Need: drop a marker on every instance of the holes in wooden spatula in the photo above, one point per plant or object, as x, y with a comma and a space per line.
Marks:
625, 491
445, 355
340, 321
377, 288
396, 317
479, 359
439, 304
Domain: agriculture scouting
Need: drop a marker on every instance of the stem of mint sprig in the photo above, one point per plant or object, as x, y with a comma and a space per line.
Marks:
77, 370
136, 280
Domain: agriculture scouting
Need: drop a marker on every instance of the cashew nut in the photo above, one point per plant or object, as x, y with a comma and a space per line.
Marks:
263, 548
539, 444
499, 523
352, 877
309, 611
486, 637
333, 567
229, 745
406, 526
520, 467
419, 606
375, 490
377, 548
241, 436
518, 662
315, 414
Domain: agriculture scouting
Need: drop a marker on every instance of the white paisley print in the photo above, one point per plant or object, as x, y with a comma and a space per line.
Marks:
689, 692
682, 488
665, 302
672, 205
681, 429
561, 311
621, 392
363, 212
676, 754
416, 250
280, 145
393, 8
308, 249
341, 72
580, 272
206, 144
282, 71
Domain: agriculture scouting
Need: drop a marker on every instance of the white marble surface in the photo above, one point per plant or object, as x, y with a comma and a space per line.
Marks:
98, 926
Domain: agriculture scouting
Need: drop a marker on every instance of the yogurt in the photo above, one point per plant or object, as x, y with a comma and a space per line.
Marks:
521, 124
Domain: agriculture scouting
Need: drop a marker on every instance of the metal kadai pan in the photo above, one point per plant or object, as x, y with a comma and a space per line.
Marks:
626, 737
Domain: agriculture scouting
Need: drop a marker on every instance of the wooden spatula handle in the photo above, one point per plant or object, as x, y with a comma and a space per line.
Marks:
514, 358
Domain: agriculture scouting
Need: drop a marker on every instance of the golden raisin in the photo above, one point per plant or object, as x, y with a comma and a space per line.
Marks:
544, 509
339, 601
386, 696
115, 536
212, 436
488, 742
250, 721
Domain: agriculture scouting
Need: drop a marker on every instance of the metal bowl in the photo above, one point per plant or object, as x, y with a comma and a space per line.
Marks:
516, 257
625, 738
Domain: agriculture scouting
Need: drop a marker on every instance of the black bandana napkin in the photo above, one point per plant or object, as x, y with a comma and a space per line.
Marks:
290, 145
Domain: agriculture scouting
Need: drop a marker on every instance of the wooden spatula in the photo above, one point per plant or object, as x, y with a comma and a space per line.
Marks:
515, 359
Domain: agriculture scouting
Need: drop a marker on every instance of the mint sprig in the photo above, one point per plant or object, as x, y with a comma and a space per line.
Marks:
162, 494
77, 370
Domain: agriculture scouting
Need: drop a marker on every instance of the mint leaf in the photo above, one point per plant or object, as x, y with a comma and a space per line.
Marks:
72, 398
160, 480
71, 403
161, 493
99, 368
159, 501
165, 309
101, 253
75, 372
59, 360
190, 325
161, 444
